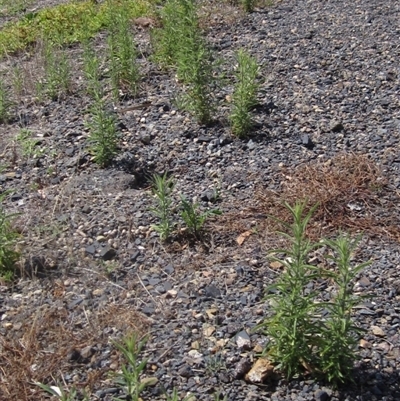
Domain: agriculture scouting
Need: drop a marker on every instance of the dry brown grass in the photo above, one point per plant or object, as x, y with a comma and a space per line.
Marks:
41, 353
351, 191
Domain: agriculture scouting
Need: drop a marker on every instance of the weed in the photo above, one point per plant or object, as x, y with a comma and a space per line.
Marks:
178, 18
18, 81
291, 329
162, 189
193, 219
180, 45
28, 144
109, 267
215, 363
248, 5
8, 237
57, 79
122, 51
62, 394
339, 334
175, 396
299, 339
217, 397
245, 94
103, 135
5, 102
129, 378
91, 68
196, 67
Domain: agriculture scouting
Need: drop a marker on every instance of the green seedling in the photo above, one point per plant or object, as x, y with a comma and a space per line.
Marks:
28, 144
162, 189
339, 334
300, 341
124, 70
175, 396
61, 393
194, 219
91, 68
217, 397
215, 363
180, 45
103, 136
57, 76
129, 377
5, 102
248, 5
8, 243
244, 95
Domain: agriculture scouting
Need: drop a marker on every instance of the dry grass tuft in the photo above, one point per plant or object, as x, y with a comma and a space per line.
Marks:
43, 347
352, 193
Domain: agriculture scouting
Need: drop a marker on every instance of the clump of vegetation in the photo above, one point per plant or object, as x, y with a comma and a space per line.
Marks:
91, 69
181, 46
245, 94
300, 340
103, 137
5, 102
8, 238
130, 377
124, 70
162, 189
28, 144
57, 76
248, 5
12, 7
193, 218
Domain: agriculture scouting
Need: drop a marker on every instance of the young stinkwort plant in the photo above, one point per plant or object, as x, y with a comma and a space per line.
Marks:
129, 377
291, 327
103, 136
339, 334
248, 5
162, 189
61, 393
175, 396
180, 45
8, 237
57, 78
124, 70
5, 102
194, 219
28, 144
196, 67
299, 339
244, 96
178, 20
91, 68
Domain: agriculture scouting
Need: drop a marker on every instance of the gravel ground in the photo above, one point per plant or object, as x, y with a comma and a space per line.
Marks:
330, 97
